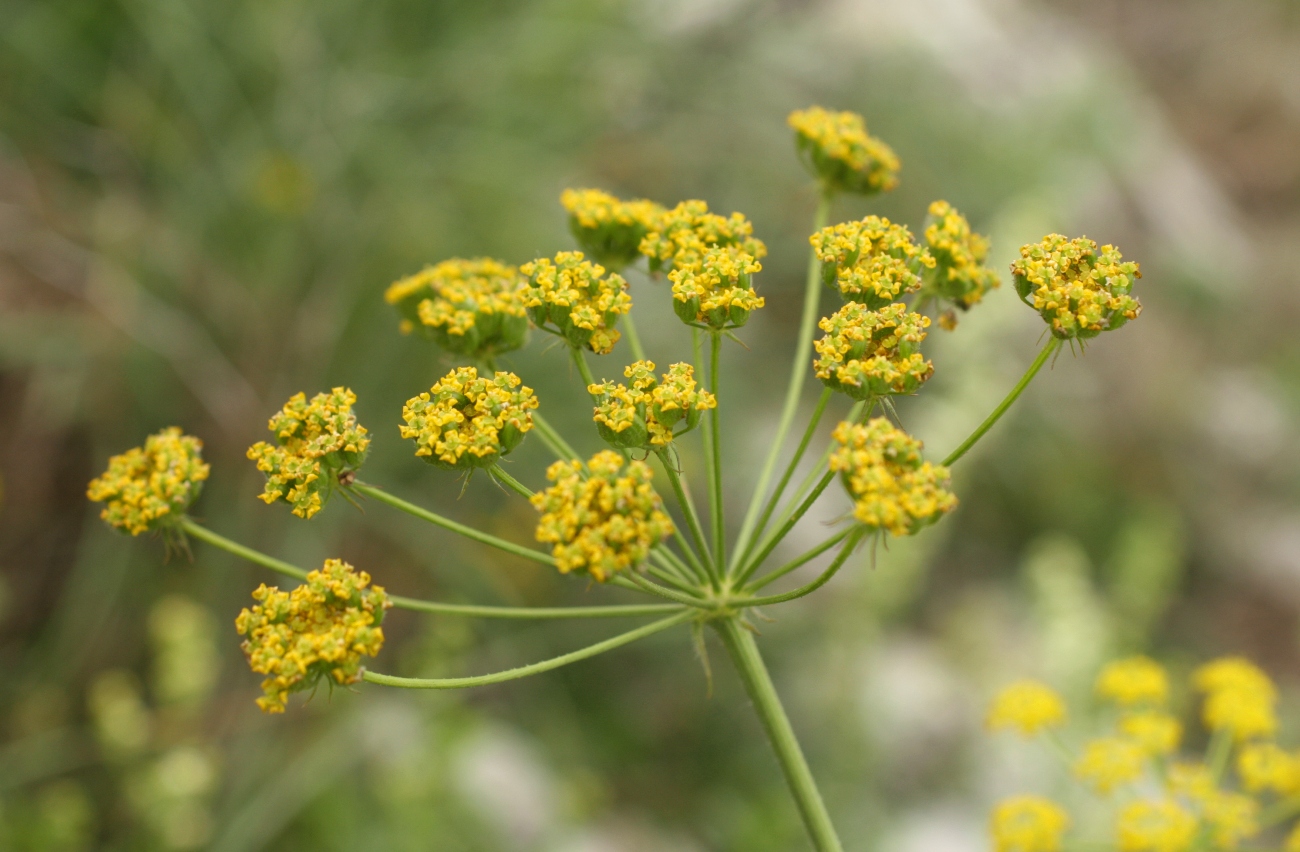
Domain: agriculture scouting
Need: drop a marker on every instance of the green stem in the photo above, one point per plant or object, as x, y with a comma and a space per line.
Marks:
553, 440
666, 573
509, 481
633, 339
1043, 355
803, 348
799, 561
758, 683
636, 582
1217, 753
840, 558
257, 558
775, 538
742, 543
448, 524
416, 605
687, 571
688, 510
715, 469
535, 668
584, 370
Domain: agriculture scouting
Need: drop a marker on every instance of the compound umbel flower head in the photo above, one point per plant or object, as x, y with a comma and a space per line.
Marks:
872, 261
892, 488
467, 421
319, 444
602, 523
321, 629
607, 229
574, 298
838, 151
470, 307
150, 487
869, 354
650, 414
1078, 290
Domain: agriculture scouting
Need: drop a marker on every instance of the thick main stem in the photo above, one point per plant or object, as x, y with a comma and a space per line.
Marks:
1048, 349
807, 325
758, 683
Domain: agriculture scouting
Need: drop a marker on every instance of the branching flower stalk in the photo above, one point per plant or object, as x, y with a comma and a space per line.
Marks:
603, 517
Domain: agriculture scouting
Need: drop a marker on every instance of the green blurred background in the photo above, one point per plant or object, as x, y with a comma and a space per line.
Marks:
201, 204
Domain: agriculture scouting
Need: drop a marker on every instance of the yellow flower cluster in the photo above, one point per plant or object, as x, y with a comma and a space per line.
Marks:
1026, 706
872, 261
467, 421
608, 229
151, 486
838, 151
1028, 824
602, 522
686, 232
959, 274
892, 488
651, 413
1078, 290
319, 445
469, 307
1239, 698
574, 298
320, 629
869, 354
1194, 803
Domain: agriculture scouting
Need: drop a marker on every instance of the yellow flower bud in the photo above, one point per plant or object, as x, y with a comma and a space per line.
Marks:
150, 487
891, 487
1078, 290
607, 229
869, 354
321, 629
574, 299
467, 421
602, 523
319, 446
837, 150
470, 307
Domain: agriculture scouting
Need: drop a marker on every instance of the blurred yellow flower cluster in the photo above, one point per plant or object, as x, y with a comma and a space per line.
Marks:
575, 299
651, 412
1028, 824
959, 274
469, 307
869, 354
317, 442
1078, 290
466, 420
150, 486
1175, 803
320, 629
892, 488
603, 518
872, 261
838, 151
607, 228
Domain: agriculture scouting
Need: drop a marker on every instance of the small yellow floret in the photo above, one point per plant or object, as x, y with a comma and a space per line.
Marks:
317, 442
1109, 762
470, 307
1026, 706
608, 229
1163, 826
1157, 733
649, 414
1265, 766
838, 151
320, 629
468, 421
872, 261
869, 354
1028, 824
151, 486
891, 487
602, 523
575, 299
1078, 290
1135, 680
959, 274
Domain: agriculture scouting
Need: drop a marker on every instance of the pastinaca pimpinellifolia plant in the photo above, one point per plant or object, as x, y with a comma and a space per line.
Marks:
603, 517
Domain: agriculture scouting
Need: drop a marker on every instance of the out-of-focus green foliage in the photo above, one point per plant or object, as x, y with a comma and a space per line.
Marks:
201, 205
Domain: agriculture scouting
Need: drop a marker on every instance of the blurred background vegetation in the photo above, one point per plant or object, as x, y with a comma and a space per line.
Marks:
201, 204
